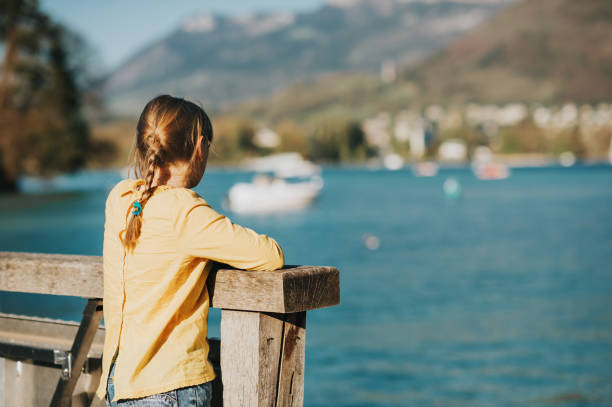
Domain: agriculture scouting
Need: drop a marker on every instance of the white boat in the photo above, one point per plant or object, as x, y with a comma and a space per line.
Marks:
426, 169
491, 171
270, 195
393, 162
485, 167
284, 165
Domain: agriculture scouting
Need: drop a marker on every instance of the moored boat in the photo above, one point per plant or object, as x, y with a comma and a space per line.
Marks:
426, 169
491, 171
269, 195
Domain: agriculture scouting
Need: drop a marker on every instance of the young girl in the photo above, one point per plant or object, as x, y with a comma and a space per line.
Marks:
160, 239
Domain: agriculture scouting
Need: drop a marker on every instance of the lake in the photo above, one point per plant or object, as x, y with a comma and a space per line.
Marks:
500, 298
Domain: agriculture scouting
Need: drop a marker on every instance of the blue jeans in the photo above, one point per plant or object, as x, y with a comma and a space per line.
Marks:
193, 396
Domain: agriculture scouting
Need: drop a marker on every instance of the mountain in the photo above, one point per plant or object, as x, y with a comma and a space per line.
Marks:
222, 59
535, 51
547, 51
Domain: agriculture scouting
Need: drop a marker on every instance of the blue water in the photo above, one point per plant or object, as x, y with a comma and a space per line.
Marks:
500, 298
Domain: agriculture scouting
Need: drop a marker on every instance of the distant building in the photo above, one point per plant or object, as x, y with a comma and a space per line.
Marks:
266, 138
376, 130
453, 150
566, 117
476, 115
542, 116
410, 127
512, 114
434, 113
452, 119
482, 155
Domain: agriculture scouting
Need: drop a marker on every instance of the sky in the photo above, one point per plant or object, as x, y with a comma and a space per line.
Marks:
116, 29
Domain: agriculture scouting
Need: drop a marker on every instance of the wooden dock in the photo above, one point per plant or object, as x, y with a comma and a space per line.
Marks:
259, 361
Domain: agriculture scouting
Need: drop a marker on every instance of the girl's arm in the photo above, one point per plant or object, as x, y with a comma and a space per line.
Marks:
202, 232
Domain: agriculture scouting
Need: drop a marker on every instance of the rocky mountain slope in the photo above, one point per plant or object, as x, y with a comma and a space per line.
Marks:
534, 51
547, 51
222, 59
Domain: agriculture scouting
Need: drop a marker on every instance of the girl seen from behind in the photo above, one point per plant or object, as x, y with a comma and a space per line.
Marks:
160, 239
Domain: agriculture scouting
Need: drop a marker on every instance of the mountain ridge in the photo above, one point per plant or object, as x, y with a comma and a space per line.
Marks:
499, 62
223, 59
565, 56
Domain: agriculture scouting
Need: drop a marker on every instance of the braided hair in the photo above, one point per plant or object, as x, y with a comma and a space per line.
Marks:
168, 132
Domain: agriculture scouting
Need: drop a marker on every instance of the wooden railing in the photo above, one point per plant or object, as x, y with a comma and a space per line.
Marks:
259, 361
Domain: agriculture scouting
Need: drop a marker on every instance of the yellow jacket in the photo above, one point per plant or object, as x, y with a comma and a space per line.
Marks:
155, 298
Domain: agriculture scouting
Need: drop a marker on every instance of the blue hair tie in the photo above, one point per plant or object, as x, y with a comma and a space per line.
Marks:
137, 208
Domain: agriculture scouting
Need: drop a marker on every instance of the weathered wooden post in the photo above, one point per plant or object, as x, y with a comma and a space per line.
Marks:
263, 328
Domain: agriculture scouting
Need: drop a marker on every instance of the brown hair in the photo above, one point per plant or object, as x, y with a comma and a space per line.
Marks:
168, 132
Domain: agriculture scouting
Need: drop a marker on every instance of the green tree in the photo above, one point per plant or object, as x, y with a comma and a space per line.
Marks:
523, 138
337, 139
42, 129
292, 137
245, 134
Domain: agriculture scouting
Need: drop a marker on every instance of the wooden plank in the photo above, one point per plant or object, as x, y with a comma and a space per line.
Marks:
310, 287
289, 290
292, 289
239, 357
45, 333
270, 340
293, 354
250, 353
92, 315
58, 274
243, 290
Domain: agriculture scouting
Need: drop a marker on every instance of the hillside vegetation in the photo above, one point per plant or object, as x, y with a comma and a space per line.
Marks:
547, 51
355, 95
535, 51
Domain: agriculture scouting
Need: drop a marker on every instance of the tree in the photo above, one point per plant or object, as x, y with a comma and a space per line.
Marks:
246, 135
42, 129
336, 139
292, 137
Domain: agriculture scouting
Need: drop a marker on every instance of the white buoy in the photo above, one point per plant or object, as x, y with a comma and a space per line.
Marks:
452, 188
567, 159
371, 242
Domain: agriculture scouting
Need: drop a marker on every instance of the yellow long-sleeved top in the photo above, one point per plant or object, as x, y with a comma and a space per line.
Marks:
155, 298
